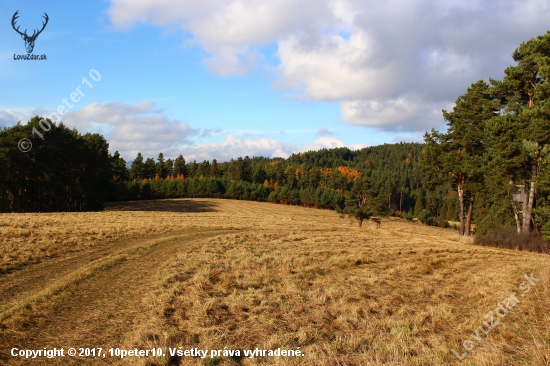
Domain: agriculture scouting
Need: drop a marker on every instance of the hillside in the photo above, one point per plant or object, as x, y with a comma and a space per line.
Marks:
209, 274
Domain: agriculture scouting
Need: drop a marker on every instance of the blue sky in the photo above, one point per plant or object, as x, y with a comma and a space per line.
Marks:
221, 79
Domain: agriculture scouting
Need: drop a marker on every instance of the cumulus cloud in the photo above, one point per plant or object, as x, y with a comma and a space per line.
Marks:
357, 146
10, 118
142, 127
229, 31
391, 64
401, 114
132, 128
322, 143
234, 147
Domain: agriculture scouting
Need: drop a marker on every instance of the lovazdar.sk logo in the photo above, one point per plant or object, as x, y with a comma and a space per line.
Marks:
29, 40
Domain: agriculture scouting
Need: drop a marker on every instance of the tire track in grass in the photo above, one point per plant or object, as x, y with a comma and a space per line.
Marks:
19, 285
96, 306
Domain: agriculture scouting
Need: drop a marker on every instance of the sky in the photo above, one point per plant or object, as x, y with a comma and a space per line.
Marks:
228, 78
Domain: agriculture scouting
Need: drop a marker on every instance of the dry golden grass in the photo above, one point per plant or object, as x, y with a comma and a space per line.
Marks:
215, 273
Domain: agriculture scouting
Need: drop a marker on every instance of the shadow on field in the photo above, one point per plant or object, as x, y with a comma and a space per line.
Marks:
173, 205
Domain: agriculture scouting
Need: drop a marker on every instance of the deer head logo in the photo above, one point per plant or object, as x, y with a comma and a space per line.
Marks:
29, 40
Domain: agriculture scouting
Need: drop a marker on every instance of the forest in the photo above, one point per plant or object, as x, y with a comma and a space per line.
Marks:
488, 170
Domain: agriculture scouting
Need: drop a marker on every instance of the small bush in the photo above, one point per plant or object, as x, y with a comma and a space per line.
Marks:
431, 221
443, 223
425, 217
531, 242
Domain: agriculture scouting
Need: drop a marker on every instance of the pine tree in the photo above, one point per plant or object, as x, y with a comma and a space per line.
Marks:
523, 127
180, 167
137, 170
119, 172
418, 207
233, 172
214, 169
169, 167
246, 169
457, 157
192, 169
150, 168
160, 168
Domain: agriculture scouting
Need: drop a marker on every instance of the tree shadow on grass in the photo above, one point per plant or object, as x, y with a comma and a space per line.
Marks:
166, 205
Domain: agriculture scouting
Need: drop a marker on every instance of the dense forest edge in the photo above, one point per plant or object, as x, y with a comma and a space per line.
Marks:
488, 171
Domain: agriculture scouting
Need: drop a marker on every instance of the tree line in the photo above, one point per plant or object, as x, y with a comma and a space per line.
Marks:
66, 171
489, 168
322, 179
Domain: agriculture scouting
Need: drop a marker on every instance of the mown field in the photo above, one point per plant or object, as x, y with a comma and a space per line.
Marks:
236, 275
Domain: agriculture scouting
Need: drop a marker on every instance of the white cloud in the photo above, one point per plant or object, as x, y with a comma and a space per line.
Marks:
413, 138
141, 127
322, 143
132, 128
390, 64
234, 147
357, 146
9, 118
229, 31
402, 114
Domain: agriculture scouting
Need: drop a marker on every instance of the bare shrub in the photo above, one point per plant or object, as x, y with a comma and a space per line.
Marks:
508, 239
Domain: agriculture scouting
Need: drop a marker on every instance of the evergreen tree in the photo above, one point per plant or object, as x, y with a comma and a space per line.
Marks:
233, 171
160, 168
137, 170
245, 169
204, 169
418, 207
522, 130
65, 172
150, 168
214, 173
358, 201
119, 172
179, 166
169, 167
192, 169
457, 156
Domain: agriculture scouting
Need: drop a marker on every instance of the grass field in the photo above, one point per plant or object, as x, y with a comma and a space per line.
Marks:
236, 275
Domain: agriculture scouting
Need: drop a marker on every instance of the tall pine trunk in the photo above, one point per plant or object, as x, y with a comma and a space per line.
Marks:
529, 203
460, 190
524, 200
528, 213
469, 216
516, 215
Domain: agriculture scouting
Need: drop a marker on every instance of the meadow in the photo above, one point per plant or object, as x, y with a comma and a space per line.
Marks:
240, 275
